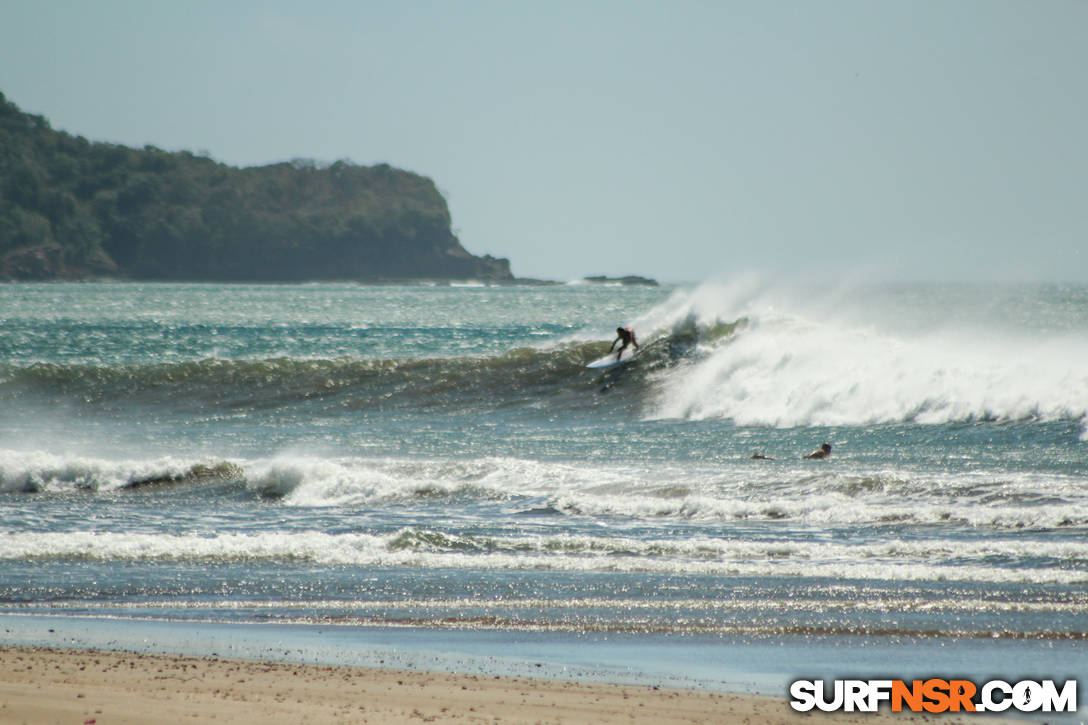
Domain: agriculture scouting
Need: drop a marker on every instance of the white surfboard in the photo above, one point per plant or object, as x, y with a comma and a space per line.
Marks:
610, 361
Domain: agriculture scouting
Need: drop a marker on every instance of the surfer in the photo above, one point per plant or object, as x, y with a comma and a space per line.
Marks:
758, 456
625, 335
822, 452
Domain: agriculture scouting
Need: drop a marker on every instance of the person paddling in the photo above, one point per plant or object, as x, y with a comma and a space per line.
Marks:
822, 452
626, 335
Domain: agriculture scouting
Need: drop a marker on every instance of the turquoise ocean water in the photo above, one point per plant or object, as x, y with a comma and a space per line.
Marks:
439, 457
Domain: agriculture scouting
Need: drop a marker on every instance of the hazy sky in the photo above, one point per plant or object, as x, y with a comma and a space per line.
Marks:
676, 139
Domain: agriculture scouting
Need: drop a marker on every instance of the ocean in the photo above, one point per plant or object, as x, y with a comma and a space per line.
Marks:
438, 458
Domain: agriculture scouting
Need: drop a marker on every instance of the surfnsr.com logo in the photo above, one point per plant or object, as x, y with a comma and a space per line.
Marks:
934, 695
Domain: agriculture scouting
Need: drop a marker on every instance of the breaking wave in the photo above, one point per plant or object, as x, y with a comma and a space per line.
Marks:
847, 359
531, 491
741, 353
992, 560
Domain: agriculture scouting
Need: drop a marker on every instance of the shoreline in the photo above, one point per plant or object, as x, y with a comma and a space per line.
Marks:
116, 670
118, 687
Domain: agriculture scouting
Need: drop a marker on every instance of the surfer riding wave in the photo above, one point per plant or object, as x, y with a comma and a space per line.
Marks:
625, 335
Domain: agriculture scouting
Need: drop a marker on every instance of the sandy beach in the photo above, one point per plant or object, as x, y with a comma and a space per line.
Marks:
44, 685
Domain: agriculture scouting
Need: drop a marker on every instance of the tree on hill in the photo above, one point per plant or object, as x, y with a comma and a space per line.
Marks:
72, 208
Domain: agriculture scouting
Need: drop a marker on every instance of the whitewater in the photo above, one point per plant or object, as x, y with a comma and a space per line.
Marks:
439, 456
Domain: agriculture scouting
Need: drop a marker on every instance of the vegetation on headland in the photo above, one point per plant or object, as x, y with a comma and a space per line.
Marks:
72, 209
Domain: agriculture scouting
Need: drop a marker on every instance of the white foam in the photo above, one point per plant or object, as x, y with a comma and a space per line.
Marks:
644, 492
831, 361
44, 471
900, 561
348, 481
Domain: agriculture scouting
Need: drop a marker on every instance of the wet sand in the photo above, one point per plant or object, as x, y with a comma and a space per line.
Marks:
99, 687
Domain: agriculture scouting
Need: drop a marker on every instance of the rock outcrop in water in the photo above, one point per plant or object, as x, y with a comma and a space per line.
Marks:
71, 209
627, 280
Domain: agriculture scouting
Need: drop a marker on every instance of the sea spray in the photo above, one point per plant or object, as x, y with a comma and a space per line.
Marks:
805, 365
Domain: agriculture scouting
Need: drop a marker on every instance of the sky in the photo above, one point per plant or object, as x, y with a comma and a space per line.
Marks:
682, 140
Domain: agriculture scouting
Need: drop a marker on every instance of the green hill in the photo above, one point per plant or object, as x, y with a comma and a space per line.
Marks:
71, 208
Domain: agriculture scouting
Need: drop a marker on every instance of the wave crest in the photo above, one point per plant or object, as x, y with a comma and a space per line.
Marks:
855, 362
